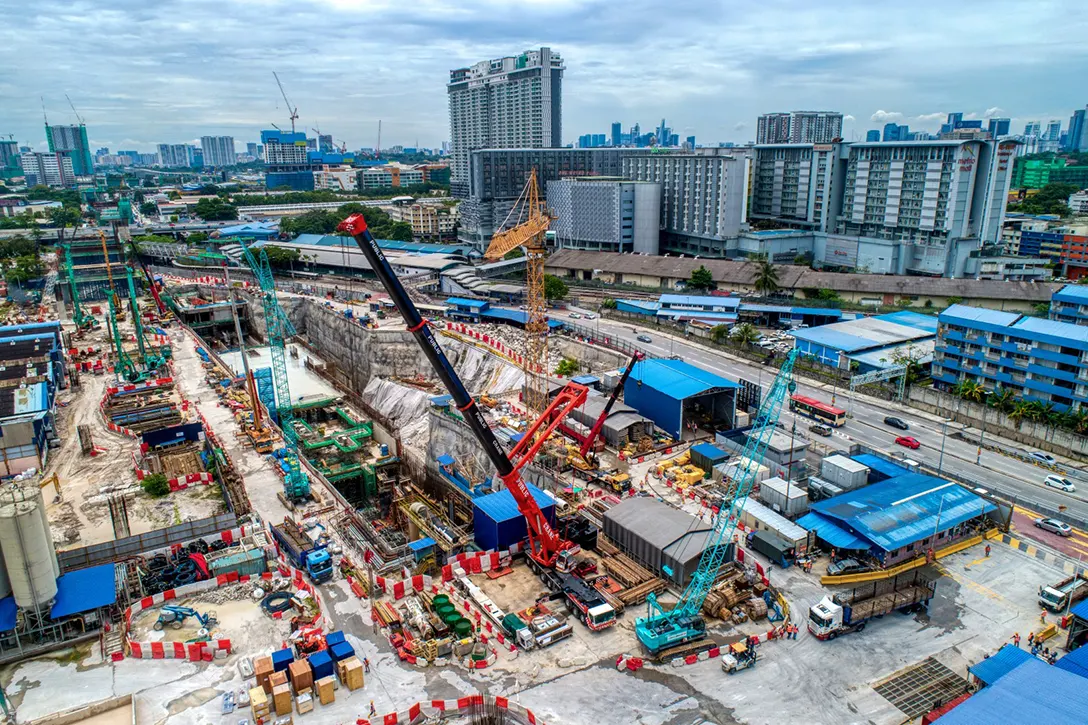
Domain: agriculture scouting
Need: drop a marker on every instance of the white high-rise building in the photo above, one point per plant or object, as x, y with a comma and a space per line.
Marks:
605, 214
174, 154
799, 127
1033, 128
49, 169
218, 151
513, 102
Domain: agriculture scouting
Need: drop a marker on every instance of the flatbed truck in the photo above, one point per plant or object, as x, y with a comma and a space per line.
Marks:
311, 557
1061, 596
851, 611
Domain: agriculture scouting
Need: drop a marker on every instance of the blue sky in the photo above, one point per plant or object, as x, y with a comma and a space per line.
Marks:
142, 72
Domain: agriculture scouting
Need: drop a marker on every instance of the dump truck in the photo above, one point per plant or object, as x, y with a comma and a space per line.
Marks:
309, 556
850, 611
1064, 594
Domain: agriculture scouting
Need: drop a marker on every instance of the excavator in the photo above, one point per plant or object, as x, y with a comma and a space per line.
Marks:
550, 556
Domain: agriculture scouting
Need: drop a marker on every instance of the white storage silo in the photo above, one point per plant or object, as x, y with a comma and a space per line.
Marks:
28, 553
34, 492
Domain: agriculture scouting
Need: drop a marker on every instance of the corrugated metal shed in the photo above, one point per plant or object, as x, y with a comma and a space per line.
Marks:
1007, 659
707, 455
677, 379
861, 334
1081, 610
1033, 692
777, 524
497, 523
903, 510
965, 313
830, 532
1075, 662
877, 465
657, 535
706, 301
926, 323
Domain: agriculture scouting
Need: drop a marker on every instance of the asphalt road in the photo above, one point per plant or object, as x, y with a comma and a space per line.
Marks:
994, 471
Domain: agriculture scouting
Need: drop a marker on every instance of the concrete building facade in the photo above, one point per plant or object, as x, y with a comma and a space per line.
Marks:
55, 168
704, 196
218, 151
73, 141
799, 184
512, 102
606, 214
799, 127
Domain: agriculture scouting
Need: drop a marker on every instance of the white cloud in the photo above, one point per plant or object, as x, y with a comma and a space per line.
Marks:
993, 112
932, 117
848, 118
886, 116
740, 126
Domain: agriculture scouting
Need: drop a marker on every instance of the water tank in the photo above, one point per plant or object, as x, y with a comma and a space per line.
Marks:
34, 492
28, 553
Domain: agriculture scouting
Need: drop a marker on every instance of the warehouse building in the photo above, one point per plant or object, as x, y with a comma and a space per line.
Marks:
665, 540
897, 519
679, 397
874, 343
623, 423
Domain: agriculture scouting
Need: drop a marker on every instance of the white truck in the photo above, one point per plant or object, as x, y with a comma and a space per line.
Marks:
1064, 594
850, 611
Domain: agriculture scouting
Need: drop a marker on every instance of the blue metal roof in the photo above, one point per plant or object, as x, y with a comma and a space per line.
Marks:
1072, 293
83, 590
677, 379
834, 339
7, 614
1058, 332
710, 451
967, 314
1081, 610
676, 314
817, 311
1076, 661
462, 302
1032, 692
262, 228
700, 300
886, 469
766, 308
500, 506
831, 532
445, 460
585, 379
897, 512
1007, 659
518, 316
927, 323
644, 304
420, 544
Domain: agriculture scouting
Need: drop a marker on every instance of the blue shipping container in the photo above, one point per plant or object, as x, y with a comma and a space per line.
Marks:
497, 523
334, 638
282, 658
341, 651
321, 664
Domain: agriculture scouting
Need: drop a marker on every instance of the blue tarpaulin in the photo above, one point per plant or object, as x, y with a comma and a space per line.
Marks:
83, 590
1007, 659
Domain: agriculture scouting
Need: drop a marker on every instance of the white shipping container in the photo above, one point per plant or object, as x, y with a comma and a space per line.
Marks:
844, 472
787, 498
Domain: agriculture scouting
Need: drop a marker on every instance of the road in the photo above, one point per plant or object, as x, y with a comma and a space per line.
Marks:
994, 471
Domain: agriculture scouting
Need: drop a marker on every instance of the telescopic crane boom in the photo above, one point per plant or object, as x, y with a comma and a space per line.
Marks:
588, 442
546, 546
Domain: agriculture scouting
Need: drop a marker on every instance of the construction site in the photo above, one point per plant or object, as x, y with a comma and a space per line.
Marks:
228, 502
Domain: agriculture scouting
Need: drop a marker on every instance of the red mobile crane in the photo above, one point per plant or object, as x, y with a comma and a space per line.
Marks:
588, 442
550, 555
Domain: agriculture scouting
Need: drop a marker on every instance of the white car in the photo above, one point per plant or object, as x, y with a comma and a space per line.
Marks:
574, 316
591, 316
1042, 457
1061, 483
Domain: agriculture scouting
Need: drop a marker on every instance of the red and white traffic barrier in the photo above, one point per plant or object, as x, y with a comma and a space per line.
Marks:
464, 705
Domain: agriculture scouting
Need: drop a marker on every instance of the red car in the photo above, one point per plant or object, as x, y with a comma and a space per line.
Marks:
909, 442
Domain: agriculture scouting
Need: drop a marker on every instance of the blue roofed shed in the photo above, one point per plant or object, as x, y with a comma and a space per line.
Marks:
673, 393
1016, 698
1075, 662
1007, 659
83, 590
831, 533
880, 469
497, 523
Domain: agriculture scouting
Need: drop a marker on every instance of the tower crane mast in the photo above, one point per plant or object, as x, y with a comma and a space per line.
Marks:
293, 110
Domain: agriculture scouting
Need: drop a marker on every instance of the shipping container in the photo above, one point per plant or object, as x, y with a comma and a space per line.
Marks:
341, 651
281, 659
778, 551
757, 517
844, 472
785, 497
252, 562
496, 522
321, 664
706, 456
731, 469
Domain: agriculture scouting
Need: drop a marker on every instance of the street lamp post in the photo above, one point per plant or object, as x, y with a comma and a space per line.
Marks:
944, 437
937, 525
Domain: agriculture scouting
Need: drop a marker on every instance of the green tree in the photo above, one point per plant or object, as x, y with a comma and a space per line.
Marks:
19, 221
173, 194
1077, 421
828, 295
1002, 399
766, 282
62, 218
1041, 309
1051, 199
155, 485
281, 257
316, 221
1020, 410
215, 210
24, 269
608, 304
149, 208
701, 279
196, 237
719, 333
970, 390
17, 246
567, 366
745, 333
555, 288
954, 300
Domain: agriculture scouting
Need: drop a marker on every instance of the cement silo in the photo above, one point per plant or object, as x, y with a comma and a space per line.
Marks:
27, 548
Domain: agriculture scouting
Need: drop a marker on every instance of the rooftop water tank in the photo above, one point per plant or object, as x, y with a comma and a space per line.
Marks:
28, 553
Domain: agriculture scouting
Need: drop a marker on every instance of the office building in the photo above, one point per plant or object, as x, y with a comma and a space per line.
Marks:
892, 132
592, 141
218, 151
287, 160
1053, 131
704, 196
1033, 128
1077, 137
9, 153
514, 102
606, 214
617, 132
55, 168
497, 177
872, 135
1037, 359
999, 127
799, 185
73, 141
690, 143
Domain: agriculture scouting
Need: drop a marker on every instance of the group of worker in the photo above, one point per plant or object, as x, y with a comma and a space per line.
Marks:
1037, 648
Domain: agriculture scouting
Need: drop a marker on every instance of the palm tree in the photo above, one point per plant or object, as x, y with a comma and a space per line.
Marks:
1021, 409
1002, 399
1077, 421
1037, 411
970, 390
745, 334
766, 282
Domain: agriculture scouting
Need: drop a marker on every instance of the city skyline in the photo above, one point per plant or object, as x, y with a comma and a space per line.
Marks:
215, 78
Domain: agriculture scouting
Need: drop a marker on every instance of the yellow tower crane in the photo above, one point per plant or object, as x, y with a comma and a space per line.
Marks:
529, 220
